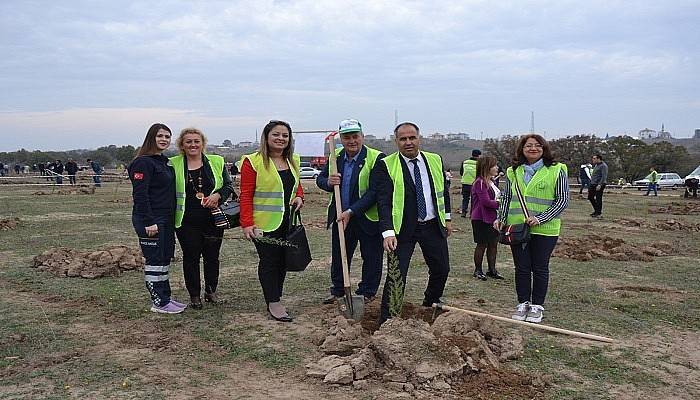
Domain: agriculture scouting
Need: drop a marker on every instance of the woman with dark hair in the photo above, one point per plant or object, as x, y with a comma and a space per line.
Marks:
153, 182
544, 187
484, 196
201, 183
269, 188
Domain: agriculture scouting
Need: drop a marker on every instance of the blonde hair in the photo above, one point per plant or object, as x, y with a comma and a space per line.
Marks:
188, 131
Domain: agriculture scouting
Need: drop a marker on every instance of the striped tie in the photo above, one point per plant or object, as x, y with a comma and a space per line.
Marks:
420, 199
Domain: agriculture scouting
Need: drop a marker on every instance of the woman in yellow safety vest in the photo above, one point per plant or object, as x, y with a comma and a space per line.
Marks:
270, 187
201, 183
545, 190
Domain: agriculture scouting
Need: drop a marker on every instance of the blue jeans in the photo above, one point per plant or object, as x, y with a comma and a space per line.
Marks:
652, 186
158, 251
97, 179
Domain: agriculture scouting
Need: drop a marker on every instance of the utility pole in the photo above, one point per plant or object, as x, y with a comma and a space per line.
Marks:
532, 122
396, 117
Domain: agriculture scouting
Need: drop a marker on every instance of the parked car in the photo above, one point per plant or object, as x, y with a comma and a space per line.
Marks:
695, 174
668, 180
309, 172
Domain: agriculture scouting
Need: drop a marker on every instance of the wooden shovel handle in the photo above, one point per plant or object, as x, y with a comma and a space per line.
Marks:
338, 211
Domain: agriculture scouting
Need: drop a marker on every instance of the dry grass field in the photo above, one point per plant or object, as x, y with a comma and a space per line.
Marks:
64, 337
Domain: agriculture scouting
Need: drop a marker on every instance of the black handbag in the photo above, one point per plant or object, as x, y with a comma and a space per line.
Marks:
516, 233
297, 255
227, 215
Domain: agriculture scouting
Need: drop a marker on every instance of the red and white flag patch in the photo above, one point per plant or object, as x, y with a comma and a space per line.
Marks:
138, 176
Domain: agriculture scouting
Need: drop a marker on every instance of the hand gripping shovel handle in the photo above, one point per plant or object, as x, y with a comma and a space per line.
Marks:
341, 226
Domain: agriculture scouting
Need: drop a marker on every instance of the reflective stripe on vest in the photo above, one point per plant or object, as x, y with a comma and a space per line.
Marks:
393, 166
216, 163
469, 168
539, 196
363, 180
268, 198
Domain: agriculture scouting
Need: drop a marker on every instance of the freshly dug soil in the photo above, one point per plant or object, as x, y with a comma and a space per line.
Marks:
686, 208
7, 224
109, 261
453, 356
669, 224
594, 246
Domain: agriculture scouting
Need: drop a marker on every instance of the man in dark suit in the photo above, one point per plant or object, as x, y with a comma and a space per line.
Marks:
414, 208
360, 217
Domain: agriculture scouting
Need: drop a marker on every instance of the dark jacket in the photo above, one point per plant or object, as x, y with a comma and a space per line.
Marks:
358, 204
226, 189
153, 181
385, 192
58, 168
71, 167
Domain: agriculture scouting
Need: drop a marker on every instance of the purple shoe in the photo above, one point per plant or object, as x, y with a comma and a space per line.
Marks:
177, 303
169, 308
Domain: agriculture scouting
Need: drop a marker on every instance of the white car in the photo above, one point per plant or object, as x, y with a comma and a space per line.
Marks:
695, 174
309, 172
669, 180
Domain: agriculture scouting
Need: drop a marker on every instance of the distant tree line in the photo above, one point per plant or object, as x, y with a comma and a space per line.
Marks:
107, 156
626, 157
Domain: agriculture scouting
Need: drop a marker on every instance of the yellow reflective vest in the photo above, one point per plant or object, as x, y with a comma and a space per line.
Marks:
363, 180
393, 166
216, 163
539, 195
469, 169
268, 199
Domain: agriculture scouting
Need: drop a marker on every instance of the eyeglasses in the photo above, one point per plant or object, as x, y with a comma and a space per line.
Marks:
533, 146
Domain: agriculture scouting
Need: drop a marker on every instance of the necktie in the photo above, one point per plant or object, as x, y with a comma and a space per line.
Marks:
420, 199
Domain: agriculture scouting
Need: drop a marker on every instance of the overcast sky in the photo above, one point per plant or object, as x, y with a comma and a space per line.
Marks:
84, 74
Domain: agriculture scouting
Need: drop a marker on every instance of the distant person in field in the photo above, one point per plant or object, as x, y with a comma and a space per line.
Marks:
2, 169
468, 173
653, 181
485, 195
18, 168
584, 177
71, 170
599, 179
153, 216
201, 184
58, 169
544, 186
42, 168
97, 170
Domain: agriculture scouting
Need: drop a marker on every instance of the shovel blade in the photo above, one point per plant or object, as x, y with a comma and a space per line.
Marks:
352, 307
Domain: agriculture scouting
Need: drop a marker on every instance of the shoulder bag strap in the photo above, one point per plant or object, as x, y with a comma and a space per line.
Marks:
520, 197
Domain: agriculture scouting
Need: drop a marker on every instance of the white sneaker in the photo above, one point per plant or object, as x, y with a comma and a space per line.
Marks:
534, 314
521, 311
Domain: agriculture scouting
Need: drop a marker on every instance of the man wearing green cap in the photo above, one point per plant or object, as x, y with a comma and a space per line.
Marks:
359, 204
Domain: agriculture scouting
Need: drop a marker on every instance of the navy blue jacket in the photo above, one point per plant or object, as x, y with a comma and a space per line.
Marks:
153, 181
358, 204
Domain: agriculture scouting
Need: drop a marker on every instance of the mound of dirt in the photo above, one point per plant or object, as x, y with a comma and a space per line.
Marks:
449, 359
600, 246
109, 261
71, 191
7, 224
677, 208
669, 224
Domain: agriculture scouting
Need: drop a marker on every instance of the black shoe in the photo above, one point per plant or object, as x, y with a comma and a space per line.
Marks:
195, 303
286, 318
593, 214
494, 275
427, 303
211, 298
464, 215
479, 275
332, 299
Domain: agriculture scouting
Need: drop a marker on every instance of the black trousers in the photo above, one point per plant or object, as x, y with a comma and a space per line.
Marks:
272, 269
532, 268
595, 196
200, 241
372, 252
466, 196
436, 255
71, 179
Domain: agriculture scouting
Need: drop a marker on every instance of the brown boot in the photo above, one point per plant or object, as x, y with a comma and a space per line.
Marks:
195, 303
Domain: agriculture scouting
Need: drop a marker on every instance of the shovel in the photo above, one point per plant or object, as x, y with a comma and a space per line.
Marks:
352, 307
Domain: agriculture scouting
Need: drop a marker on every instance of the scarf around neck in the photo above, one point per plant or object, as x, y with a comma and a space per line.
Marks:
531, 170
